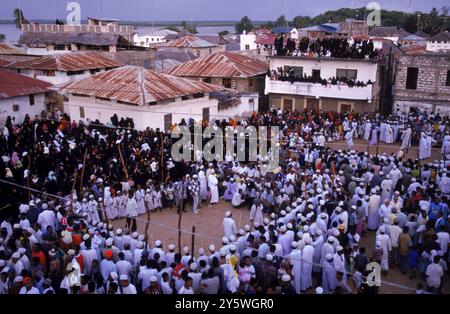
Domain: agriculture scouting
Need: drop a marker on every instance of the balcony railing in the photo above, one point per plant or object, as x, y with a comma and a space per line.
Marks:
318, 90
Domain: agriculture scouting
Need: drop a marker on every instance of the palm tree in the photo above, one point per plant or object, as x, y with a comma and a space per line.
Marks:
19, 19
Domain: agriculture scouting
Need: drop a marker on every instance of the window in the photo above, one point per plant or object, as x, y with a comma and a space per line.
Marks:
251, 101
247, 47
250, 82
316, 74
287, 104
15, 108
168, 121
348, 74
70, 73
60, 47
82, 112
447, 81
411, 78
205, 114
31, 100
298, 71
346, 108
226, 82
199, 95
207, 80
49, 73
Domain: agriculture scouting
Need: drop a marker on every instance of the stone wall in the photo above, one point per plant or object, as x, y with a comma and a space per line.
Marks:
431, 81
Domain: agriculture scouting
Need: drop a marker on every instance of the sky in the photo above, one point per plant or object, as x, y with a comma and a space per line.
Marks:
199, 10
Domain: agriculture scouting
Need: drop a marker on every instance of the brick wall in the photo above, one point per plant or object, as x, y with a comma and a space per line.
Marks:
431, 78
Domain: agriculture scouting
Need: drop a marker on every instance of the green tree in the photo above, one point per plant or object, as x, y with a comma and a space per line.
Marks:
301, 21
191, 28
245, 24
224, 33
268, 25
281, 21
173, 28
19, 19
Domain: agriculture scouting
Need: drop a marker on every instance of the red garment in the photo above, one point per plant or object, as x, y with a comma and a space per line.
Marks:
42, 259
177, 270
80, 261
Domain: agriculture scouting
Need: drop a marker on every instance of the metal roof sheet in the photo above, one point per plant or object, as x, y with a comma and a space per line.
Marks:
71, 61
190, 42
136, 85
13, 84
7, 49
221, 64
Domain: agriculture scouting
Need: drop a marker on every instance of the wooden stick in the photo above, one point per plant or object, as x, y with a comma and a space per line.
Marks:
193, 242
180, 214
122, 161
82, 171
162, 159
29, 175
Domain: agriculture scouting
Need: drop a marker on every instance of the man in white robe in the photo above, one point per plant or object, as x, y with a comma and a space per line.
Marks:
349, 139
367, 130
389, 134
212, 183
373, 207
256, 213
423, 147
203, 184
229, 226
384, 241
406, 138
328, 275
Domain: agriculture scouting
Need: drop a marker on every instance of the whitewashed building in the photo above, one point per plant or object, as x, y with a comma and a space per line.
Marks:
248, 41
151, 99
154, 38
300, 95
439, 42
20, 95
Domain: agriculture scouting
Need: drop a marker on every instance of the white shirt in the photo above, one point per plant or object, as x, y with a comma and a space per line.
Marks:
184, 290
33, 290
434, 273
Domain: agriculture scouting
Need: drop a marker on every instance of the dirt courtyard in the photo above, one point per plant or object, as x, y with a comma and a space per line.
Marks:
209, 229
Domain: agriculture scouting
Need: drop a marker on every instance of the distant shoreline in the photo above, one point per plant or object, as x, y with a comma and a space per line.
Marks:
151, 23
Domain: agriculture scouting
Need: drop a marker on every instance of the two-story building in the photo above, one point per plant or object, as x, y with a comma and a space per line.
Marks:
422, 81
331, 93
149, 40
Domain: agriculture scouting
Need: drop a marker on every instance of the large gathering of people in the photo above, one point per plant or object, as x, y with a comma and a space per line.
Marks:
289, 75
314, 223
328, 47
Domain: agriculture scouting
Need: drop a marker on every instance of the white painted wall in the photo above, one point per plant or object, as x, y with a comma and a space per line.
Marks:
438, 46
148, 40
248, 39
44, 51
245, 108
143, 116
318, 90
59, 78
366, 69
6, 107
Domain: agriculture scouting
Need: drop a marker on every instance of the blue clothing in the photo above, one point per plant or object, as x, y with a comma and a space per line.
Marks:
413, 259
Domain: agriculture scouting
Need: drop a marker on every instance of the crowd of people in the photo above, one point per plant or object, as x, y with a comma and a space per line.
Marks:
63, 183
328, 47
289, 75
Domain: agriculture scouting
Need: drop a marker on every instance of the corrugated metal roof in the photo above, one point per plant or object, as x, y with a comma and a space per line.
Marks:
444, 36
190, 42
13, 84
7, 49
66, 38
136, 85
71, 61
221, 64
